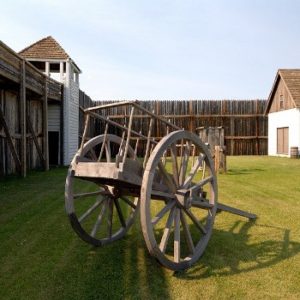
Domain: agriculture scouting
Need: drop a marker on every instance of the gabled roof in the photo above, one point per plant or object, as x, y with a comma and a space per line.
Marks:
46, 48
291, 79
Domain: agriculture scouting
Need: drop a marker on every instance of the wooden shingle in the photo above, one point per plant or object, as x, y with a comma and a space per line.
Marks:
46, 48
291, 79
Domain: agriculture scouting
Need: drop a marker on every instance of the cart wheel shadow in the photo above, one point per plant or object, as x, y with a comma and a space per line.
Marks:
231, 252
243, 171
128, 270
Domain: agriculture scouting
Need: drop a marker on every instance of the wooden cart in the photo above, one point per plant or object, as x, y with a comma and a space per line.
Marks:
173, 184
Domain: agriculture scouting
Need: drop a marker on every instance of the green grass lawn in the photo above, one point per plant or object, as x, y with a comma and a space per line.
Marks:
42, 258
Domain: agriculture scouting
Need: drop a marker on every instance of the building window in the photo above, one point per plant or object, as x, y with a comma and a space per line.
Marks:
281, 102
283, 140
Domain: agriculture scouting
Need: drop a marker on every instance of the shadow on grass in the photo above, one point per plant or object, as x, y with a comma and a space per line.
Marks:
230, 252
121, 270
243, 171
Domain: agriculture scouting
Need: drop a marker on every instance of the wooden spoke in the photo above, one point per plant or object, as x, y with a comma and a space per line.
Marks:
128, 202
108, 151
203, 170
99, 219
184, 162
193, 154
201, 183
161, 214
167, 231
164, 158
181, 153
175, 164
193, 171
90, 210
177, 236
195, 221
181, 157
187, 233
84, 195
120, 214
167, 178
110, 208
93, 155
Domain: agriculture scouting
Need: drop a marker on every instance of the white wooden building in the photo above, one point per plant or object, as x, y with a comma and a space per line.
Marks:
63, 118
283, 109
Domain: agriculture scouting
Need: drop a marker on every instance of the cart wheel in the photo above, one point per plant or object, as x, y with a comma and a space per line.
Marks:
178, 199
98, 213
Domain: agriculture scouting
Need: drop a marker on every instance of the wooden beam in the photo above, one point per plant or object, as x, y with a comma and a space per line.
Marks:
9, 141
38, 148
235, 211
23, 118
250, 137
122, 116
61, 132
45, 125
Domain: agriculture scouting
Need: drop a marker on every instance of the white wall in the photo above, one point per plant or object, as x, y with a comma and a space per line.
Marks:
71, 115
287, 118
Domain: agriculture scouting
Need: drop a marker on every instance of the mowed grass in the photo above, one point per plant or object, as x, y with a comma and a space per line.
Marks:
42, 258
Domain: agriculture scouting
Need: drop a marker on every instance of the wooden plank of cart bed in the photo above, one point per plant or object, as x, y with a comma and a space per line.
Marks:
106, 170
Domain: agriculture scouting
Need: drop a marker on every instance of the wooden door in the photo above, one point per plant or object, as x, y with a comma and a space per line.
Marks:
283, 140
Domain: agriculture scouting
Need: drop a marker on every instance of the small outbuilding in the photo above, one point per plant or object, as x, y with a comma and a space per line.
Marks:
283, 110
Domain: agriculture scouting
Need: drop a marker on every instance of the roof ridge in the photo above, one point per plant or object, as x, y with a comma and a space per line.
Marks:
291, 81
43, 44
33, 44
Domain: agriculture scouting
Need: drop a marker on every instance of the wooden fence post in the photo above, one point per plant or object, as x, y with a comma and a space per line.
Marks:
220, 159
45, 125
62, 125
23, 119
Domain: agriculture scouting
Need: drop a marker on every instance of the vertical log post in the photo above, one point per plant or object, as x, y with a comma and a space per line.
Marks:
220, 159
148, 142
45, 125
232, 141
23, 119
128, 133
257, 129
61, 133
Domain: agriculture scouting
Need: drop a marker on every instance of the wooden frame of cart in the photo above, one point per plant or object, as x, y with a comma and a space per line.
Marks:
173, 185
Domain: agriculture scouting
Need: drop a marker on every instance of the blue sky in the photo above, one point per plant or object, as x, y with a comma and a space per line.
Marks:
223, 49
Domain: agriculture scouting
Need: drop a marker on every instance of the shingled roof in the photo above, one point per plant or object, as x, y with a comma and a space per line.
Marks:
291, 78
46, 48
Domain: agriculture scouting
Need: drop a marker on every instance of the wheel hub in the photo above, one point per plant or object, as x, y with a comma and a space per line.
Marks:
183, 198
112, 192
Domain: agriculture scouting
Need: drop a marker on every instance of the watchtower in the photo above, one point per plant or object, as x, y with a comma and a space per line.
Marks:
63, 118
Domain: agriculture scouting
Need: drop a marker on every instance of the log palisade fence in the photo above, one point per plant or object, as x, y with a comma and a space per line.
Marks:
244, 122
